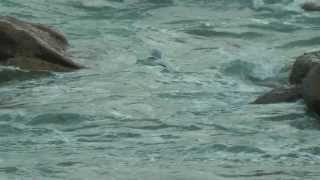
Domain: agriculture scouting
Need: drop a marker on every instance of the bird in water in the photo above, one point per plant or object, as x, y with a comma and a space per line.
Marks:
155, 59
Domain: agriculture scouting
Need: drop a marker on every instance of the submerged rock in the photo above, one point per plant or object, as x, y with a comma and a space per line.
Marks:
13, 74
310, 6
280, 94
33, 46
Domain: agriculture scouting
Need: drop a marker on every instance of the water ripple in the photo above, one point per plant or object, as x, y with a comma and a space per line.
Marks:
9, 170
118, 120
63, 119
224, 34
9, 130
301, 43
231, 149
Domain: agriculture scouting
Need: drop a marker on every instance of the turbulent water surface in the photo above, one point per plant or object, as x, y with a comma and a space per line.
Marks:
166, 93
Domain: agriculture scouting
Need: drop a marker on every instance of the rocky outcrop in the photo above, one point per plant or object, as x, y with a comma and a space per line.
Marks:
311, 89
303, 65
33, 46
304, 82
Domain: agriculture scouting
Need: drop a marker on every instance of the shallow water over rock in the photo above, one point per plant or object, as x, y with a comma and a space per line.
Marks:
121, 119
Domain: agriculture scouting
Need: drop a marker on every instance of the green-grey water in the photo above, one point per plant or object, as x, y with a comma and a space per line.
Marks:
185, 116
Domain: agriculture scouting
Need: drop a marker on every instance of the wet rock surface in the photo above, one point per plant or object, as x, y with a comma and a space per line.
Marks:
33, 46
304, 83
311, 89
303, 65
310, 6
280, 94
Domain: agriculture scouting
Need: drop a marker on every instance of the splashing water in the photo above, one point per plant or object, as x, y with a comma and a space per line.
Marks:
123, 118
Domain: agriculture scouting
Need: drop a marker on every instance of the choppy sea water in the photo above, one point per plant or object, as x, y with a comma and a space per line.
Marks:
185, 116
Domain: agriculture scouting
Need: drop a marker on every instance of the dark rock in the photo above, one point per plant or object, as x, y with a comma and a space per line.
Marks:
281, 94
303, 65
310, 6
305, 83
300, 71
33, 46
311, 90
